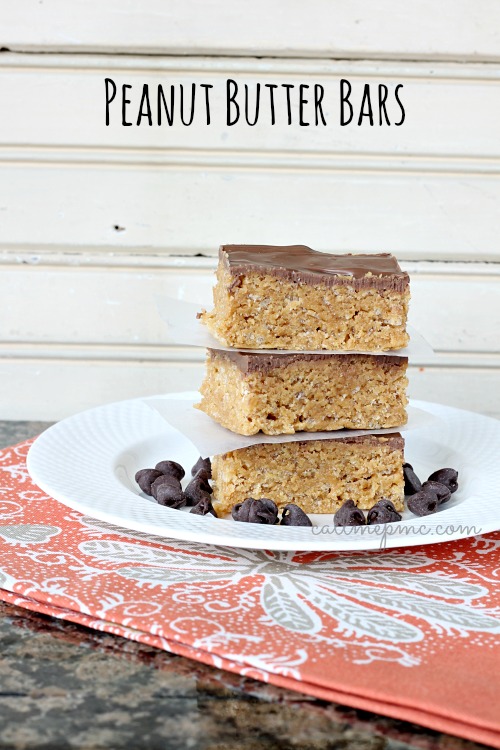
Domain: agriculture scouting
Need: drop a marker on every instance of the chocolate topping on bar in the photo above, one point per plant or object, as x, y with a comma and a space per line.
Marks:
393, 440
248, 362
302, 264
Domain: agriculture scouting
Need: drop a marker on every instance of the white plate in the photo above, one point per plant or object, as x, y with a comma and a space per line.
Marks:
88, 462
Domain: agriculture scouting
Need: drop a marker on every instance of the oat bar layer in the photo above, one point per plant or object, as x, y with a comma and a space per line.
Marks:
294, 298
283, 394
317, 475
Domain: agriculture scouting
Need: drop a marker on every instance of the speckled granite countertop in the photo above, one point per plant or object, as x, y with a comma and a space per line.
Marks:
65, 686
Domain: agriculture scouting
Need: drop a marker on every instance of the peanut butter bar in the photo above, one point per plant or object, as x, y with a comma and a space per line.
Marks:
317, 475
292, 297
280, 394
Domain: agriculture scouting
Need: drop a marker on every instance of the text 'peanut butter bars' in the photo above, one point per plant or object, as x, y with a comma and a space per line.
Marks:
292, 297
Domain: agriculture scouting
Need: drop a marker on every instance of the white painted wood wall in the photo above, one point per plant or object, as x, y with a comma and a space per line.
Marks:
96, 221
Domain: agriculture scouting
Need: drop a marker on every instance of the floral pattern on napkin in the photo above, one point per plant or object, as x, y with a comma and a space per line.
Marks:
355, 624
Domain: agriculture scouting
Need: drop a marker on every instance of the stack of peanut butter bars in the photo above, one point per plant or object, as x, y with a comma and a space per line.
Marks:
310, 341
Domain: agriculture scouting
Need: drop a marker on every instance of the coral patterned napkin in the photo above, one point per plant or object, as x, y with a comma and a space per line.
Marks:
408, 633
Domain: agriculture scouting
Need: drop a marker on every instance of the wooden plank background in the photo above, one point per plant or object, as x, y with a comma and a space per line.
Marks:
96, 221
420, 29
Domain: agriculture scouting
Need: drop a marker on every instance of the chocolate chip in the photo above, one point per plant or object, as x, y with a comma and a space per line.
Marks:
423, 503
448, 477
292, 515
412, 482
164, 479
172, 468
383, 512
170, 496
442, 491
256, 511
197, 488
202, 463
202, 477
203, 507
349, 515
145, 478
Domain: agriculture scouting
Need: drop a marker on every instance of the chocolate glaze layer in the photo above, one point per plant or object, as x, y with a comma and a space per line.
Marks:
300, 263
393, 440
248, 363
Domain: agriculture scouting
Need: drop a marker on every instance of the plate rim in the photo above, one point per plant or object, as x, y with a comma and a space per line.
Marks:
202, 528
